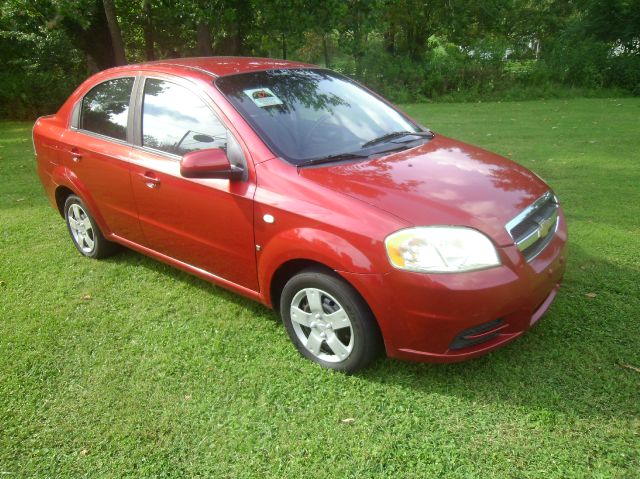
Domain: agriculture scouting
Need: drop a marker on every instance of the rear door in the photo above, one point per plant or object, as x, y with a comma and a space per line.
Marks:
96, 151
206, 223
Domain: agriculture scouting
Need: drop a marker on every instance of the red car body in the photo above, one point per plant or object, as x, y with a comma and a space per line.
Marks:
335, 215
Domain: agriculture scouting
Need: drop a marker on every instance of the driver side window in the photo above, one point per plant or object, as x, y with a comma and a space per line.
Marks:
176, 121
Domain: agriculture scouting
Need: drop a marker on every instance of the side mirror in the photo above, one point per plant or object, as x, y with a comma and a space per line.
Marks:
209, 163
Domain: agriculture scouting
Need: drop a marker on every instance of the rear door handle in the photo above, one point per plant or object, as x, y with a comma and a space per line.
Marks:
76, 156
150, 180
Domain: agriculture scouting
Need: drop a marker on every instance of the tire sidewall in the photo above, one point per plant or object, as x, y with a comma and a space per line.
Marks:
364, 337
97, 235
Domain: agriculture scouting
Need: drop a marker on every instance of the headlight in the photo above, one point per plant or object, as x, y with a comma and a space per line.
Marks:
440, 249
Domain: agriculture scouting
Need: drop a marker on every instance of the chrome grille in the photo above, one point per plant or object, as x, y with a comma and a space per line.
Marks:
533, 229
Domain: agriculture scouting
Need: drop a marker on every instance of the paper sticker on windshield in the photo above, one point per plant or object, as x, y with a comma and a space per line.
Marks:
263, 97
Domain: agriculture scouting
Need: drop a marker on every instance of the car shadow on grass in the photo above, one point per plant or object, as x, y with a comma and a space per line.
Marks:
574, 361
134, 259
578, 360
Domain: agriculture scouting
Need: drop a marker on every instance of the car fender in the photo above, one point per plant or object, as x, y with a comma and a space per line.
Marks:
310, 244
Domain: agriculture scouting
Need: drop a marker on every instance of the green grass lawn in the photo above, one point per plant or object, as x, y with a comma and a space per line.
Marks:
127, 367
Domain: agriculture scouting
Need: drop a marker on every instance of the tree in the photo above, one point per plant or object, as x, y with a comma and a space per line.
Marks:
324, 18
284, 20
204, 38
407, 49
359, 19
614, 21
114, 31
148, 33
86, 24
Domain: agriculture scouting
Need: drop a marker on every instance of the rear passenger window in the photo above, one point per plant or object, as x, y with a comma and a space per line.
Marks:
105, 108
175, 120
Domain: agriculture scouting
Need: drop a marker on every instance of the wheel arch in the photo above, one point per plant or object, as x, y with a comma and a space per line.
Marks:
61, 194
288, 270
309, 246
67, 183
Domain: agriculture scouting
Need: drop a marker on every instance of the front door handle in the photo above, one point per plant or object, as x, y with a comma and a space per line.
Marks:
150, 180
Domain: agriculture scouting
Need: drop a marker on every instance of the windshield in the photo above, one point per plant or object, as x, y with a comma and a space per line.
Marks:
305, 114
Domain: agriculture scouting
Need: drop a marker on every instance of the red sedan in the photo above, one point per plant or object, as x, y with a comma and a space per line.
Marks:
298, 187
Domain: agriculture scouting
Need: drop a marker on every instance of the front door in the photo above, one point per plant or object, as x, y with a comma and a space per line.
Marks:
206, 223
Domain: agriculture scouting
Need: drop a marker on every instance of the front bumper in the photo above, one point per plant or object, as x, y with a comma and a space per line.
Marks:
421, 315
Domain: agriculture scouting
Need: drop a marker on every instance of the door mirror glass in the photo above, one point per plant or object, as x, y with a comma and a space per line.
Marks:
209, 163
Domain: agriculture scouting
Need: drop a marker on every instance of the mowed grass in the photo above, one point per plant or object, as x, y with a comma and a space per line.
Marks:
129, 368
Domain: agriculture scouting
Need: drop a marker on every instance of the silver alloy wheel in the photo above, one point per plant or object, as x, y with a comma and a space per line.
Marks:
322, 325
81, 228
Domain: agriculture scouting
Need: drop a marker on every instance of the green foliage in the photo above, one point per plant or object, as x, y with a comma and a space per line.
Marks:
409, 50
131, 368
40, 66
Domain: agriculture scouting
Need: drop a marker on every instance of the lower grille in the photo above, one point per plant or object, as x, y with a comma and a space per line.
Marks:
478, 334
533, 229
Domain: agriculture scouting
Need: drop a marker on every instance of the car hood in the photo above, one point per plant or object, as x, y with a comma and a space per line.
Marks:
442, 182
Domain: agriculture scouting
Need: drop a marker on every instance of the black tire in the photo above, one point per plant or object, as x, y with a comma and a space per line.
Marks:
335, 295
85, 234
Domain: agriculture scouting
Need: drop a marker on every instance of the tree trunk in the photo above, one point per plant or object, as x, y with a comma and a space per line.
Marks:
94, 39
325, 50
283, 37
358, 43
389, 39
204, 39
92, 67
114, 30
244, 23
358, 51
147, 31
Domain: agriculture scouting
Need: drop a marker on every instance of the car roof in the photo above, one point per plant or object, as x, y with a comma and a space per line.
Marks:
221, 66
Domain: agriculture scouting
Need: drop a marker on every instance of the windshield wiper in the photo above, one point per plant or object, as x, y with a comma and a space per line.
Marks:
397, 134
332, 158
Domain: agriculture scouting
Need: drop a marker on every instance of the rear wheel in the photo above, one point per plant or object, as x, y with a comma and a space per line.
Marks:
84, 231
328, 321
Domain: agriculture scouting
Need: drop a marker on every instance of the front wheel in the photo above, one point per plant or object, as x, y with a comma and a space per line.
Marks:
329, 322
84, 231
